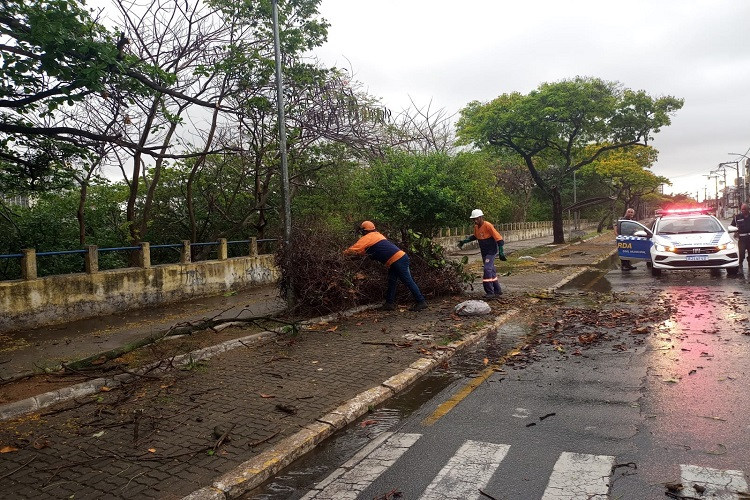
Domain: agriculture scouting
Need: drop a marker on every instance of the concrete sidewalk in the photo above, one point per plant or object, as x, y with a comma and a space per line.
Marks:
219, 425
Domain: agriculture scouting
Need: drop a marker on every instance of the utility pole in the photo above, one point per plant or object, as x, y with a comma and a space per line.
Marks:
745, 194
282, 147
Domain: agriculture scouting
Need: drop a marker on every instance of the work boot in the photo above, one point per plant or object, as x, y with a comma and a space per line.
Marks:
388, 306
419, 306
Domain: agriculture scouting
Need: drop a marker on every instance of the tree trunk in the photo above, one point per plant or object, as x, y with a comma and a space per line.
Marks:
80, 213
558, 230
603, 221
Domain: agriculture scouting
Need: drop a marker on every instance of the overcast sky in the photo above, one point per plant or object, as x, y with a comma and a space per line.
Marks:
454, 52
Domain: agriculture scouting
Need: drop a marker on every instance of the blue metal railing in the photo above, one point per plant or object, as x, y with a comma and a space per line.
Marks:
117, 249
132, 248
61, 252
177, 245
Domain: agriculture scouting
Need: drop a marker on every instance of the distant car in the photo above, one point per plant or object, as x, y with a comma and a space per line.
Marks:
679, 239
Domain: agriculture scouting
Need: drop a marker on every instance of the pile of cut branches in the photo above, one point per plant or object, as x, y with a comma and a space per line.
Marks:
324, 280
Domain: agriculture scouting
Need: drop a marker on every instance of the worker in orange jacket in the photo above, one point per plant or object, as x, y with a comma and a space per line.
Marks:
491, 245
378, 247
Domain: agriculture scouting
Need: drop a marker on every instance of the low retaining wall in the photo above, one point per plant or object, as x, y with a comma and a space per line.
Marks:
449, 238
32, 302
57, 299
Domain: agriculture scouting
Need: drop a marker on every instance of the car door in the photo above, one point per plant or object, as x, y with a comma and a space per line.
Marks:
630, 246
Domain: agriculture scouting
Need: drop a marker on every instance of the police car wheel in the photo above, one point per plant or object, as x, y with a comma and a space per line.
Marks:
655, 272
649, 264
732, 271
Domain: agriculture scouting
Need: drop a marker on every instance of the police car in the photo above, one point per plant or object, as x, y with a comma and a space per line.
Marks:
684, 238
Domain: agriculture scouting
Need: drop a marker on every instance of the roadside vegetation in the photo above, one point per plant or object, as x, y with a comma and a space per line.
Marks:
165, 129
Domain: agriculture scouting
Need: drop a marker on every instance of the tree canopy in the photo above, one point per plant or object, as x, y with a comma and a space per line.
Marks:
560, 127
424, 192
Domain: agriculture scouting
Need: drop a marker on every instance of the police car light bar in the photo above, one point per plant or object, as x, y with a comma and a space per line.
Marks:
683, 211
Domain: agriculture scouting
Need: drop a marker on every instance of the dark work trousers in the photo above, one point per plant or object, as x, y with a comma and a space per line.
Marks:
399, 270
489, 275
743, 246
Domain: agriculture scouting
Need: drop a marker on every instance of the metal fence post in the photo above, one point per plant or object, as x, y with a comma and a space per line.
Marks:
28, 264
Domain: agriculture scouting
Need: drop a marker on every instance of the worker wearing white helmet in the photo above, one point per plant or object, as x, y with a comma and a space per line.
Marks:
491, 245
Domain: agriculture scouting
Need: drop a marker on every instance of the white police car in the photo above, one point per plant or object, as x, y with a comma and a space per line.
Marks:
679, 239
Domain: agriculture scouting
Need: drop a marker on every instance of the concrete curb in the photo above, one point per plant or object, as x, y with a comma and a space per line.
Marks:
576, 274
255, 471
41, 401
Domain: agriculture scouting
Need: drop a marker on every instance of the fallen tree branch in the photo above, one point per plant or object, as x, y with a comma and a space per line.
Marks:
224, 437
18, 468
261, 441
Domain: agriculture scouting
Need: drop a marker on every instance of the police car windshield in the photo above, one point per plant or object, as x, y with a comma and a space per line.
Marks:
687, 225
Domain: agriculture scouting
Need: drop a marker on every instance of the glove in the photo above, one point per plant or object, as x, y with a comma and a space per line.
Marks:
463, 242
501, 255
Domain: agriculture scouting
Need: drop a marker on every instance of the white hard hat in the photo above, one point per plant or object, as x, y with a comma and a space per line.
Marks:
476, 213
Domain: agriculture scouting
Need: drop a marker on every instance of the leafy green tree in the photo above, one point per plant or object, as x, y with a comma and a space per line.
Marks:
50, 224
424, 192
560, 127
625, 175
55, 56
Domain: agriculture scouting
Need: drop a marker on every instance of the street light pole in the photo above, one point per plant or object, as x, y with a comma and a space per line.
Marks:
746, 172
282, 147
713, 175
736, 166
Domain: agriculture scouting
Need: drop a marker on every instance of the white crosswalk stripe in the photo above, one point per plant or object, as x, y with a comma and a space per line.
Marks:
718, 484
575, 476
466, 472
362, 469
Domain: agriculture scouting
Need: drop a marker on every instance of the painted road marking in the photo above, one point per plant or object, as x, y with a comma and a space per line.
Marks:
469, 470
719, 484
577, 475
467, 389
362, 469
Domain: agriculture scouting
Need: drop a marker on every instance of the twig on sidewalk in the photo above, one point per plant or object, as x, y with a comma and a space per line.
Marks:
18, 468
261, 441
394, 344
224, 437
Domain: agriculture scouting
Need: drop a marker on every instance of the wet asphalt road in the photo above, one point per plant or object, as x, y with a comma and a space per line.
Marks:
642, 410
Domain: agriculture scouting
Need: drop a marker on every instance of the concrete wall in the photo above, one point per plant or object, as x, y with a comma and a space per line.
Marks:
33, 302
450, 237
56, 299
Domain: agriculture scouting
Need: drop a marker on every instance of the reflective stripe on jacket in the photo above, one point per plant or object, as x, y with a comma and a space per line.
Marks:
377, 247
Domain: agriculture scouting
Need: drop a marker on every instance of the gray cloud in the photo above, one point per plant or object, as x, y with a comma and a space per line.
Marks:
452, 53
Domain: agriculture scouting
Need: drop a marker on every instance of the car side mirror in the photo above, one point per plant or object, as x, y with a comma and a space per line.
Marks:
732, 229
641, 234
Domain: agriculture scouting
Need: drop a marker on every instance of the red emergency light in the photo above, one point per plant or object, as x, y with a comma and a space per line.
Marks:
684, 211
